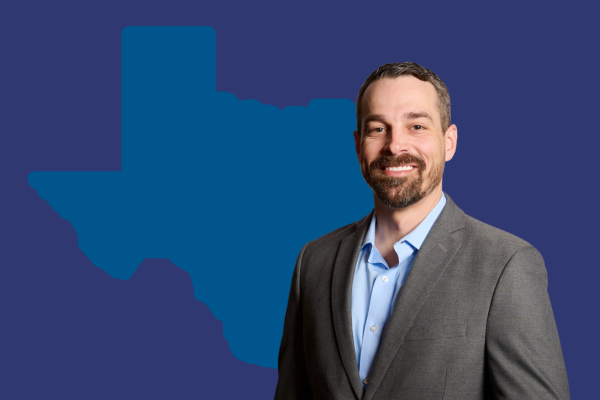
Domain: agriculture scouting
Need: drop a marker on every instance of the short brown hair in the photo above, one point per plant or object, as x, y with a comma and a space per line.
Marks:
394, 70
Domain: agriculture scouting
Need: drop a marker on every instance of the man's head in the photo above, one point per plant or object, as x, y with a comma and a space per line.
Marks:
403, 134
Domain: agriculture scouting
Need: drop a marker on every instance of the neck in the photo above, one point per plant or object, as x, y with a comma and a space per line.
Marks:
395, 223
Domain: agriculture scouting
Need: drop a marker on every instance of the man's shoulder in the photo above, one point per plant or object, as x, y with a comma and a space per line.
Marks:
489, 239
333, 238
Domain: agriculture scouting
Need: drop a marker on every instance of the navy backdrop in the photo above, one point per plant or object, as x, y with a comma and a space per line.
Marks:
523, 82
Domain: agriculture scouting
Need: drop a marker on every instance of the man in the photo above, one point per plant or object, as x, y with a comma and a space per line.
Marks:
417, 300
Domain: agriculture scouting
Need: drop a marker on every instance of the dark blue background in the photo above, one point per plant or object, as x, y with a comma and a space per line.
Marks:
524, 87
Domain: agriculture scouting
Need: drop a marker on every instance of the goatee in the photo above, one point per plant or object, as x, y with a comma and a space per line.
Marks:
400, 192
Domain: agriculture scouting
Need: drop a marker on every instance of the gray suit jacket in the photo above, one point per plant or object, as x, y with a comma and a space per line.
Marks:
472, 321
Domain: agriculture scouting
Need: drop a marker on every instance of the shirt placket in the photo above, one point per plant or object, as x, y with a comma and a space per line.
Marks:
380, 306
381, 296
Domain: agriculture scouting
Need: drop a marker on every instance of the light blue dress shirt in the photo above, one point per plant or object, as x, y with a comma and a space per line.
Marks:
376, 287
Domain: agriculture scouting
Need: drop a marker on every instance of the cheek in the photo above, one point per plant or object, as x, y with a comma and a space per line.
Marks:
432, 156
435, 149
369, 151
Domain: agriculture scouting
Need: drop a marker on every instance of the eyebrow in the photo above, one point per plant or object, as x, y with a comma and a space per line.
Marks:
374, 117
416, 115
408, 115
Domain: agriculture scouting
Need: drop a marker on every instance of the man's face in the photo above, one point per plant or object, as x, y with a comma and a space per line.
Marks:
402, 149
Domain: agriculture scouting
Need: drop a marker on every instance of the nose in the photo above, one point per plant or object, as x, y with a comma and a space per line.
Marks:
397, 142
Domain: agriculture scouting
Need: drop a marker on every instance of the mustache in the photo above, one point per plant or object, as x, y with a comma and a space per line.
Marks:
397, 161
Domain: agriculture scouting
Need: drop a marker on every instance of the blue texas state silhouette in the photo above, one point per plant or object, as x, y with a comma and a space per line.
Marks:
228, 190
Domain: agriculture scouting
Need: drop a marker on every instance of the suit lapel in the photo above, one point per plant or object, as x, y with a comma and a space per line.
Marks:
341, 300
434, 256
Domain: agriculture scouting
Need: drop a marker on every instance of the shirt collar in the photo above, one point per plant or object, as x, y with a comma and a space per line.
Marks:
418, 235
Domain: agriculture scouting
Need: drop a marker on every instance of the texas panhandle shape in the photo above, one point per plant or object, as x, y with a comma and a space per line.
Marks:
228, 190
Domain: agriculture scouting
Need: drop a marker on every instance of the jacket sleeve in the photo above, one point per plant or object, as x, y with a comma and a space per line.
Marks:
524, 359
293, 378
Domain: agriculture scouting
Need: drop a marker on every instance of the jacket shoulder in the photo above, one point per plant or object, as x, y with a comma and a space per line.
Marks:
484, 236
332, 239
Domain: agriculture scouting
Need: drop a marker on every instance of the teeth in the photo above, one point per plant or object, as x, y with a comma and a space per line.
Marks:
405, 168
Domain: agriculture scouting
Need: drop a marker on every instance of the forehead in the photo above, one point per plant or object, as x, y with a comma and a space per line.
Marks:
397, 96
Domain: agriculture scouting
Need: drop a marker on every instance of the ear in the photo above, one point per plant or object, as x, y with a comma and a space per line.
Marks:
450, 139
357, 144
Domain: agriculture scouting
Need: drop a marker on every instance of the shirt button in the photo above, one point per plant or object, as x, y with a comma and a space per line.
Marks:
385, 278
366, 380
373, 328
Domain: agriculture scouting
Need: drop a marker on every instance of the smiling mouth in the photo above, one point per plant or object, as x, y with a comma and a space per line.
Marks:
401, 168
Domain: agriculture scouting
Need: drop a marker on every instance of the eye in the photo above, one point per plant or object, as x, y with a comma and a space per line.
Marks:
417, 127
379, 129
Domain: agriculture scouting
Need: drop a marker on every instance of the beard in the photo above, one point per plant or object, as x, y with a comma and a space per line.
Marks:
400, 192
